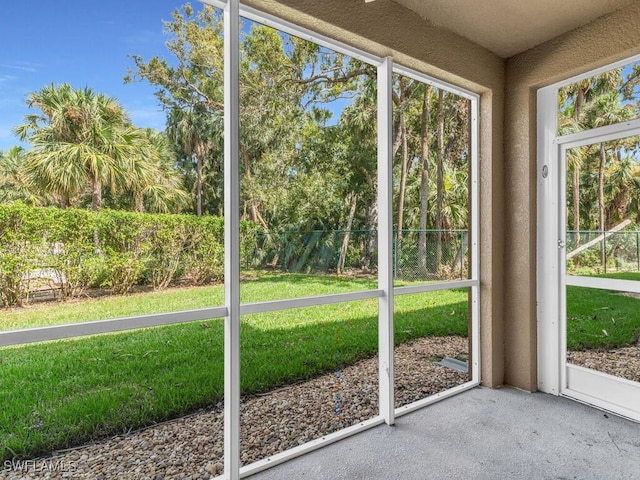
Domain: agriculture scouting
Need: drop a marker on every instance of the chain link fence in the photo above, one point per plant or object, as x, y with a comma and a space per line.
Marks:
593, 251
417, 254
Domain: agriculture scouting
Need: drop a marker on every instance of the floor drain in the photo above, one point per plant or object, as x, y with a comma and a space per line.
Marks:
454, 364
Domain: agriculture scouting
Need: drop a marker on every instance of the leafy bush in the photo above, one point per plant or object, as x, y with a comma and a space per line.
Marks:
72, 250
22, 249
73, 254
125, 242
205, 250
169, 238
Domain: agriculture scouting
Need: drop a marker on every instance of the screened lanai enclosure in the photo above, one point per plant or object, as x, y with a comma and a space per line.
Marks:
327, 283
309, 219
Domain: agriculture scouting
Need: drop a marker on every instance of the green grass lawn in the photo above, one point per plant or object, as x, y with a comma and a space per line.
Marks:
268, 286
602, 319
63, 393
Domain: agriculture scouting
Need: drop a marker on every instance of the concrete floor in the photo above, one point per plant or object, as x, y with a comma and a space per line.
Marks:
482, 434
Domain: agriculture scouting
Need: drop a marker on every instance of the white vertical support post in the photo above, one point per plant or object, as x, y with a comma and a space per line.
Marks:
385, 241
548, 276
232, 240
474, 238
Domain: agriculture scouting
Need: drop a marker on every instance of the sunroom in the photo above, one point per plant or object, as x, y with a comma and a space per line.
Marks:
525, 275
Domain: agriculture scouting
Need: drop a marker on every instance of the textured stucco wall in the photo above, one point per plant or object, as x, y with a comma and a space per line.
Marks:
384, 28
608, 39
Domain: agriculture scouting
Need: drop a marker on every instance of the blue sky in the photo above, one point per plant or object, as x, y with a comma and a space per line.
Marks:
84, 43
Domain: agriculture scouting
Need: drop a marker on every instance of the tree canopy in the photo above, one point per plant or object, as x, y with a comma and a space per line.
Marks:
308, 142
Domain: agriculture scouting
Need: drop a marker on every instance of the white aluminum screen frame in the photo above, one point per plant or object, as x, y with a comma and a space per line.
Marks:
549, 287
599, 389
233, 309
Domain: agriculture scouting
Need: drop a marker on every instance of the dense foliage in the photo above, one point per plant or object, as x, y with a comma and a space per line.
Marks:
73, 249
603, 179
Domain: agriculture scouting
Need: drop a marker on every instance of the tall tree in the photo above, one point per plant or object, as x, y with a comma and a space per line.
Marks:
574, 100
284, 83
424, 179
440, 177
14, 184
154, 184
198, 134
79, 138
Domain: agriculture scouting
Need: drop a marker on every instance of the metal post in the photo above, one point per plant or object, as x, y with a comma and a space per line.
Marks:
462, 234
604, 250
232, 240
385, 242
638, 248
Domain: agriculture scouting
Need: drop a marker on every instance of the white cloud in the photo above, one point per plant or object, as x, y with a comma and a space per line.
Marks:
22, 66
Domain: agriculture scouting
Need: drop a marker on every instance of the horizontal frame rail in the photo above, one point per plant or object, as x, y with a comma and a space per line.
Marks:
436, 397
81, 329
440, 84
614, 284
434, 287
271, 306
310, 446
600, 134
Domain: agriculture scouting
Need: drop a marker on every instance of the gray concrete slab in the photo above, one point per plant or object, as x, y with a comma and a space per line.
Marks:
482, 434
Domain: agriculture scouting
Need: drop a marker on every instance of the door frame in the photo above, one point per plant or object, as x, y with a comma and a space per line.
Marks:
550, 283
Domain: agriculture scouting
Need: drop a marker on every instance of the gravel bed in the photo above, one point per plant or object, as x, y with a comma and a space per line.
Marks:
191, 447
622, 362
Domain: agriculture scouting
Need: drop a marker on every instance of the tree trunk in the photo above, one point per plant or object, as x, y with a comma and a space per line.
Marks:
96, 203
603, 160
403, 174
576, 173
96, 194
347, 234
198, 185
424, 182
64, 201
370, 240
439, 180
139, 202
396, 141
254, 212
576, 207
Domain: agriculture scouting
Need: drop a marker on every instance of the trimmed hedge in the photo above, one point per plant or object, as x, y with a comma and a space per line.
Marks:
71, 250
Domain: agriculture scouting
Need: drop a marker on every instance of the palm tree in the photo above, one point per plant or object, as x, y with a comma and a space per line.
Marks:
80, 139
158, 185
574, 101
195, 132
14, 184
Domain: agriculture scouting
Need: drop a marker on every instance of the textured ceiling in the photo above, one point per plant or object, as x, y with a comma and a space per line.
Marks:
507, 27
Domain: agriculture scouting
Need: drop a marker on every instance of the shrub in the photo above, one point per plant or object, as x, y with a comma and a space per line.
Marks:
205, 250
21, 237
73, 254
75, 249
169, 238
125, 242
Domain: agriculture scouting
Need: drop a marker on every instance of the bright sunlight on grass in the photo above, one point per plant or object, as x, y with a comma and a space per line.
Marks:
63, 393
602, 319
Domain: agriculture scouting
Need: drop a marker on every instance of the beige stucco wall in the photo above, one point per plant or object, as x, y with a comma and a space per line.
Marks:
384, 28
611, 38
